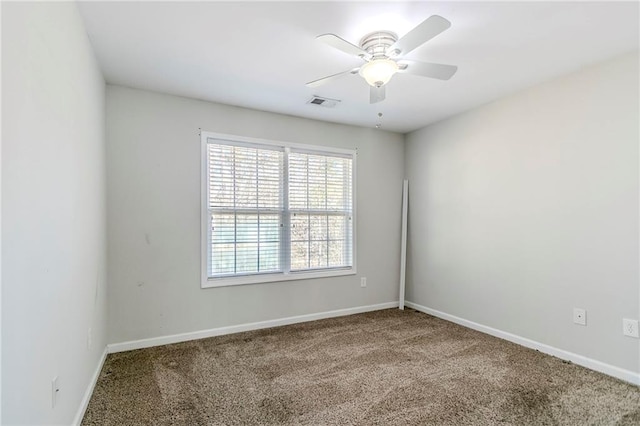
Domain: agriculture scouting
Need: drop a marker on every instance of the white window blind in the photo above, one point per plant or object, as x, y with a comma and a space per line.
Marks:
245, 209
320, 200
275, 211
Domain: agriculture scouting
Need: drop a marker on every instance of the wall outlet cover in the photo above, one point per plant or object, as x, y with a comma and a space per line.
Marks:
630, 327
579, 316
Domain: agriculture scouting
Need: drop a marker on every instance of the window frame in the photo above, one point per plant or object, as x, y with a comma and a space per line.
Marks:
269, 277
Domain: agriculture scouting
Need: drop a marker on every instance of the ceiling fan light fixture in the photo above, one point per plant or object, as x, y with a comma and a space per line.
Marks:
378, 72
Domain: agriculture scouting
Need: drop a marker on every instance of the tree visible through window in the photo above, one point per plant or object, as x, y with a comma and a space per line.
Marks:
276, 209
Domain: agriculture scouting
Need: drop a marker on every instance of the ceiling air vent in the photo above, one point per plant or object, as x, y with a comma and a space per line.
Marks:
323, 102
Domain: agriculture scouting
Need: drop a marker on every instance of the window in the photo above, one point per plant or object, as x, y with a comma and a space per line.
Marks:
275, 211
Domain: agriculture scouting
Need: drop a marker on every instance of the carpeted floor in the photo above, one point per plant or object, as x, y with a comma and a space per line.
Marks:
380, 368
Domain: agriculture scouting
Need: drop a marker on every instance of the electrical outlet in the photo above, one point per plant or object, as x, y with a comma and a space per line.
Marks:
363, 282
55, 390
630, 327
579, 316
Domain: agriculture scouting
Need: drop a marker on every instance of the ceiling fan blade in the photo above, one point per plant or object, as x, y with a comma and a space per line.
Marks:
342, 44
427, 69
428, 29
323, 80
377, 94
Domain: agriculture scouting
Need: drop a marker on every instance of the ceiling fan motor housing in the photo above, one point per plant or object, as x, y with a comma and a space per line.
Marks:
379, 69
377, 43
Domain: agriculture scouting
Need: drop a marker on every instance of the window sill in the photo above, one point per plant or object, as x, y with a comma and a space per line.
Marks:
270, 278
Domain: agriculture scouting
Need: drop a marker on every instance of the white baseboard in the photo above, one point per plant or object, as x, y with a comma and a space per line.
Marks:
194, 335
87, 395
620, 373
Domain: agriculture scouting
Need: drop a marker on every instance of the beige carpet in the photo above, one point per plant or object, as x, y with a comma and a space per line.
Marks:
381, 368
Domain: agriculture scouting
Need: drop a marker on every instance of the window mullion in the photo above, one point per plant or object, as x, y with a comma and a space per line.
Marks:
235, 218
285, 216
257, 213
308, 221
326, 207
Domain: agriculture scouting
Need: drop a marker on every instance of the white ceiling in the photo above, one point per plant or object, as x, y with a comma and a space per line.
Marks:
260, 55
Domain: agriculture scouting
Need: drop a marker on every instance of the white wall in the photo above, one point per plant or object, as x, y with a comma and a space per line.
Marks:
53, 212
153, 161
527, 207
0, 243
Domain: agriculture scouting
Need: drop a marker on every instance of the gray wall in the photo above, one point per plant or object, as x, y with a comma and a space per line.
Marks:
153, 160
53, 212
527, 207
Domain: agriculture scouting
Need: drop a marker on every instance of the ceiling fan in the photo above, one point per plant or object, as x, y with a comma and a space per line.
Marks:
383, 52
